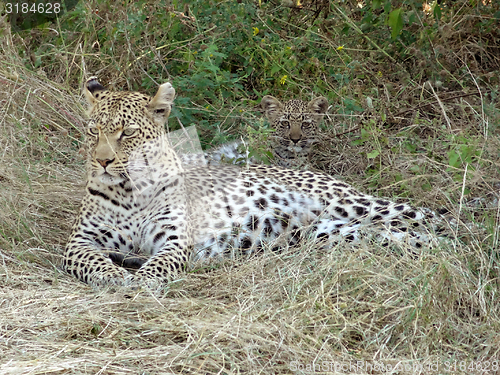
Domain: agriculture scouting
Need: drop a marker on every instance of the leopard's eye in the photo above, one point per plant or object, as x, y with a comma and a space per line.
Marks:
94, 131
286, 124
129, 131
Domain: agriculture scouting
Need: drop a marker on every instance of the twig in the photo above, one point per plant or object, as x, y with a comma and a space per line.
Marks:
440, 106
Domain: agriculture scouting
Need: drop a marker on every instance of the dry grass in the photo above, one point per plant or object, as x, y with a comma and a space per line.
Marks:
359, 306
259, 316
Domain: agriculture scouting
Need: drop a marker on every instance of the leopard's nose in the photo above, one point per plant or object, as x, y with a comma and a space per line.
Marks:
105, 162
295, 140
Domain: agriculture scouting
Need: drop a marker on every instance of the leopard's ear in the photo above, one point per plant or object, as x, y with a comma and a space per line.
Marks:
93, 92
318, 107
271, 106
160, 106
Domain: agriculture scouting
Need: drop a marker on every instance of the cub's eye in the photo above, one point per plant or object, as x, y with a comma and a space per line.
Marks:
286, 124
129, 131
94, 131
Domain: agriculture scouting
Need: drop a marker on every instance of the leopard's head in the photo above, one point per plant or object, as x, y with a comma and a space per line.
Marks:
296, 122
121, 124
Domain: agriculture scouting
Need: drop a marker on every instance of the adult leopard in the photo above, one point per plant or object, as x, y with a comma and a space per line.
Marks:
143, 209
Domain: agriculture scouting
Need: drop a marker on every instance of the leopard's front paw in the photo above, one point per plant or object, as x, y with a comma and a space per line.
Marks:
109, 277
138, 281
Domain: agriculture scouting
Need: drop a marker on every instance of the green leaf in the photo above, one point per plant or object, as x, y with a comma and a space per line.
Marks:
218, 54
373, 154
395, 22
437, 12
275, 68
412, 18
454, 159
387, 7
376, 4
212, 68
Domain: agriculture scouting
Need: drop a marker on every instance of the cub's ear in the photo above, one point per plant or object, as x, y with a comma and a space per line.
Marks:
271, 106
318, 107
93, 92
160, 106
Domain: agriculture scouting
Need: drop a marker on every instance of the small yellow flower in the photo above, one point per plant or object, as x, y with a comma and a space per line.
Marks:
195, 52
283, 79
379, 73
255, 30
340, 48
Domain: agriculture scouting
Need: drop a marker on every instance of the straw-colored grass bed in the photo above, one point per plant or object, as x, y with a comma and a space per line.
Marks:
271, 314
353, 309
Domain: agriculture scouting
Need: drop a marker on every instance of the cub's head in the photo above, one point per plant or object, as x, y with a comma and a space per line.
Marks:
296, 122
121, 123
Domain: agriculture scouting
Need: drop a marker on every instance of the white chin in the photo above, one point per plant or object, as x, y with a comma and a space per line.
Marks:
108, 179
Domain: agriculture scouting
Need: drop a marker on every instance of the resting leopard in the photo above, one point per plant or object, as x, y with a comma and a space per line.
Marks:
296, 131
143, 210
